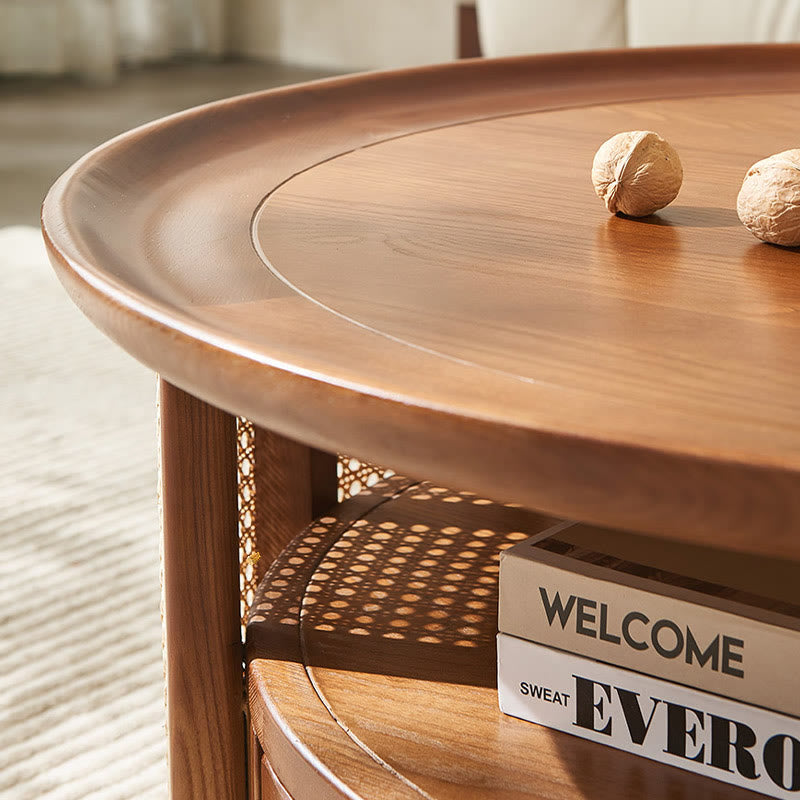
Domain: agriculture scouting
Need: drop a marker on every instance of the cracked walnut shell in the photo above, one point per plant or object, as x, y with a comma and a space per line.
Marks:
636, 173
769, 200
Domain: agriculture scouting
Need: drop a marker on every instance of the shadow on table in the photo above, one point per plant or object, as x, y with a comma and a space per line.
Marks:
391, 604
406, 587
691, 217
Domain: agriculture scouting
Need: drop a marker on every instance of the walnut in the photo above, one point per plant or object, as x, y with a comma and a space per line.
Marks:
636, 173
769, 200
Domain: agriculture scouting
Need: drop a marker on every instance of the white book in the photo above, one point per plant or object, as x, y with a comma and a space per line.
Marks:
723, 622
666, 722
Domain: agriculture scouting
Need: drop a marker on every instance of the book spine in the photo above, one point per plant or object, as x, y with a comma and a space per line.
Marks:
630, 623
686, 728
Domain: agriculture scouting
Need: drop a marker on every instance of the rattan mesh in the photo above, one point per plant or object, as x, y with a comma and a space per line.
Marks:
249, 574
353, 476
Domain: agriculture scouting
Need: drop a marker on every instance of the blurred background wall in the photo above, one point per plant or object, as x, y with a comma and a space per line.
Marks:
346, 34
93, 38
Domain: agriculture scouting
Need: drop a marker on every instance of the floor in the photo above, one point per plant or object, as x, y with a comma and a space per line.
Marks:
46, 125
81, 681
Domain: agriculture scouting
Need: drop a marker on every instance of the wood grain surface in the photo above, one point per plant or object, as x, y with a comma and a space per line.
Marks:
387, 627
489, 248
284, 708
203, 650
448, 296
271, 787
293, 484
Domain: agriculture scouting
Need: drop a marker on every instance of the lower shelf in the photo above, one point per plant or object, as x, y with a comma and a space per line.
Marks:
371, 652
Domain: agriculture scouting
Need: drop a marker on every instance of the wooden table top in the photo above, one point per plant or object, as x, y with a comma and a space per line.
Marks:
413, 266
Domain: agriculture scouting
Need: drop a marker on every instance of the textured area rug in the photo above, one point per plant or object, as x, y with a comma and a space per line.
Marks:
81, 687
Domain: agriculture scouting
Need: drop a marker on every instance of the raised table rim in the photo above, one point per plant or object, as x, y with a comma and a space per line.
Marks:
734, 498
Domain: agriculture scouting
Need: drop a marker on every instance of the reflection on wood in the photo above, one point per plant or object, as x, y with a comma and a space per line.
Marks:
511, 328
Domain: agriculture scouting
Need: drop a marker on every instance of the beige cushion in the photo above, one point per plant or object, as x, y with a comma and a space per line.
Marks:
514, 27
511, 27
712, 21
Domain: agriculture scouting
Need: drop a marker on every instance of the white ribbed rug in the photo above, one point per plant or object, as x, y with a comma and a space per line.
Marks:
81, 692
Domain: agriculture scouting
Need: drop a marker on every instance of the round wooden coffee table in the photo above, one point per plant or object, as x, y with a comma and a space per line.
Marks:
413, 266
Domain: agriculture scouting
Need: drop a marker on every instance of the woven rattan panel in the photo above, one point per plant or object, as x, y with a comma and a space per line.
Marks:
353, 475
249, 574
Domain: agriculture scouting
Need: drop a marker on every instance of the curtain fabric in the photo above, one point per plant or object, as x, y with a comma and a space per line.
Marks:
92, 38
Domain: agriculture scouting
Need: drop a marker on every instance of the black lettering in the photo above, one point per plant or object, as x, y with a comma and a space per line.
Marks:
584, 617
711, 653
626, 625
727, 656
556, 607
721, 744
537, 692
678, 732
660, 649
634, 719
548, 695
585, 705
775, 758
523, 688
604, 634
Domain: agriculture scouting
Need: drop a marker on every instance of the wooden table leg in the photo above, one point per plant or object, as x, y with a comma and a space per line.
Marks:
205, 721
293, 485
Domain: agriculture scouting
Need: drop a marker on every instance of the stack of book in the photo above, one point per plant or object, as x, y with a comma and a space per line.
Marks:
683, 654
